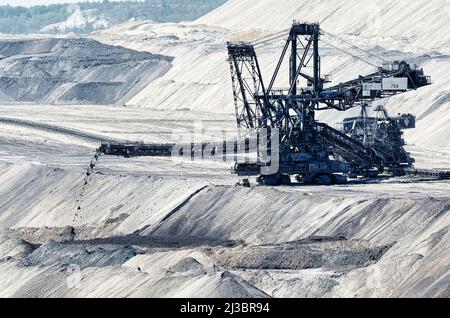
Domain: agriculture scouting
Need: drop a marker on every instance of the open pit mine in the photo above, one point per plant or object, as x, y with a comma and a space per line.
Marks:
250, 153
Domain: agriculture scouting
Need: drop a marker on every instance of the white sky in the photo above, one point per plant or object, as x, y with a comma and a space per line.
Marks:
29, 3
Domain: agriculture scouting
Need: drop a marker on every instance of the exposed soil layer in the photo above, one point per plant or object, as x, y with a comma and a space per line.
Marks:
74, 71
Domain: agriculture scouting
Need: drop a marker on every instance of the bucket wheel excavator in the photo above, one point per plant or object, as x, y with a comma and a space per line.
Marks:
311, 151
280, 137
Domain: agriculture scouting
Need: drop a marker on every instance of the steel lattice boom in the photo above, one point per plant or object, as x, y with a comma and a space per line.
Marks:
313, 151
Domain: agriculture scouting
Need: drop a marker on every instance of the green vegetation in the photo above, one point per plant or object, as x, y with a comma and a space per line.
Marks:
20, 20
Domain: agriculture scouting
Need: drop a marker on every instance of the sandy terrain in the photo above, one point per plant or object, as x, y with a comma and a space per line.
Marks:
164, 227
158, 227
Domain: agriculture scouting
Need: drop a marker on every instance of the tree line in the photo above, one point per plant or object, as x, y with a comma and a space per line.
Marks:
22, 20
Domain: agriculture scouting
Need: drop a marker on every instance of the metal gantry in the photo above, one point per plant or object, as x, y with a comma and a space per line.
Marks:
314, 152
282, 123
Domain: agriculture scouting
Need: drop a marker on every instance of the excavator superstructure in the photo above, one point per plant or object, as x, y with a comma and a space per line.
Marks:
311, 151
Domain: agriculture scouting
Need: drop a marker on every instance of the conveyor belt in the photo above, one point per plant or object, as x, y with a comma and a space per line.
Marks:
60, 130
198, 150
432, 173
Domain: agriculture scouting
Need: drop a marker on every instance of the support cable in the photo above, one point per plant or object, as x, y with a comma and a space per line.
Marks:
354, 46
354, 56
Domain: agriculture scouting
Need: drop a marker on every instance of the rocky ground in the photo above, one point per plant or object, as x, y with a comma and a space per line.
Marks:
172, 228
73, 225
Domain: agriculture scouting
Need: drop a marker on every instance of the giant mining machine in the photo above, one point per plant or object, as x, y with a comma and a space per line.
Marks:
281, 122
311, 151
